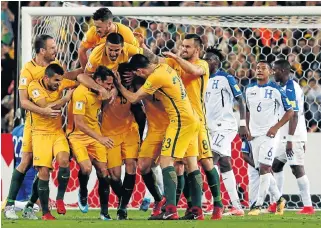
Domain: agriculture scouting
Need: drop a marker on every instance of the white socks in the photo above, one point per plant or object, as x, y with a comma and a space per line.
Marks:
304, 186
159, 178
263, 188
279, 178
230, 185
275, 193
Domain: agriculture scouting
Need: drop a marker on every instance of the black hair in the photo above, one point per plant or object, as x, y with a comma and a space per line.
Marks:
53, 69
213, 50
197, 39
138, 61
115, 38
40, 42
102, 14
266, 62
103, 72
284, 64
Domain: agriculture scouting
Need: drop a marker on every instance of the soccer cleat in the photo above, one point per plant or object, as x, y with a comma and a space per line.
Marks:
10, 213
169, 214
29, 213
83, 204
105, 217
48, 216
217, 213
60, 205
272, 208
157, 209
256, 210
306, 211
280, 205
145, 205
195, 213
122, 214
234, 212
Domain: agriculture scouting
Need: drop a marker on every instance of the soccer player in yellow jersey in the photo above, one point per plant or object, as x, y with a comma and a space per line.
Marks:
180, 133
48, 133
45, 49
157, 123
87, 144
118, 123
96, 35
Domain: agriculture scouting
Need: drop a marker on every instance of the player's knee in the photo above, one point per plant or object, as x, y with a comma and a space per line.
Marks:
144, 166
115, 173
86, 170
298, 171
131, 165
207, 164
277, 166
43, 173
26, 162
225, 164
192, 164
179, 168
264, 169
63, 159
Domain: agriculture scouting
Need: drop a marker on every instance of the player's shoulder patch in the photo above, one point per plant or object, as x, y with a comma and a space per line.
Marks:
79, 105
23, 80
148, 85
35, 93
237, 88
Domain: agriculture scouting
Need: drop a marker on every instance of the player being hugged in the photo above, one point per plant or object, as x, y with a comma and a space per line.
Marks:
48, 138
263, 99
87, 144
293, 136
219, 99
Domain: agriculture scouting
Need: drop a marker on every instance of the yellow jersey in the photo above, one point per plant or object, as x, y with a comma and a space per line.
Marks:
117, 118
99, 57
41, 124
92, 39
173, 95
84, 102
157, 118
195, 88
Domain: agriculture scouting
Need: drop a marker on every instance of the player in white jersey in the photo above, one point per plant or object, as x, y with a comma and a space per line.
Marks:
264, 98
293, 136
219, 100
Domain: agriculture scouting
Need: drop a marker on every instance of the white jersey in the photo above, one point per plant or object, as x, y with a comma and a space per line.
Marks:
219, 101
296, 97
263, 103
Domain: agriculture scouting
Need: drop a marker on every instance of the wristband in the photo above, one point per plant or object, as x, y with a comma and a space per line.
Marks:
242, 123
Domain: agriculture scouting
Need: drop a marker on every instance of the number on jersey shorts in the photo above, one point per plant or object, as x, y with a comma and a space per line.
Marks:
263, 150
298, 156
221, 142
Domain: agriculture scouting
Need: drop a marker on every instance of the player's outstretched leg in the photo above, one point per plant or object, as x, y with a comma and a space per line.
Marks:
43, 191
230, 185
16, 182
128, 188
63, 178
213, 180
28, 211
148, 176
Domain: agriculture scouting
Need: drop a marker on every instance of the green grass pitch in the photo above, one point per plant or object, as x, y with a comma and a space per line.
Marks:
75, 219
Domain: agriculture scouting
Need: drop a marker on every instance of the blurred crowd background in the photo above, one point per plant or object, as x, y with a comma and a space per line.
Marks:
242, 47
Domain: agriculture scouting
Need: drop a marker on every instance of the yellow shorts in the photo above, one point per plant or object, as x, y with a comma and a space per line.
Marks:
84, 147
27, 139
204, 146
46, 147
126, 146
152, 144
178, 141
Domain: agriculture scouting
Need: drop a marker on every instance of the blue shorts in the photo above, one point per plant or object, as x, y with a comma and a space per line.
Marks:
25, 189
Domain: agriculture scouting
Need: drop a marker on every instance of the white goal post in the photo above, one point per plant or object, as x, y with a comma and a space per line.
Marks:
291, 14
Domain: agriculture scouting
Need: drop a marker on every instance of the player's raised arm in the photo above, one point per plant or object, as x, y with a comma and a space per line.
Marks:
72, 75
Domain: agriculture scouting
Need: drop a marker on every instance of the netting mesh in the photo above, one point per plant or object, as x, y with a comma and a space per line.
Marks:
243, 40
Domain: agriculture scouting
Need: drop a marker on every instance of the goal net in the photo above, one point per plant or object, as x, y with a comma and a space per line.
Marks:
253, 33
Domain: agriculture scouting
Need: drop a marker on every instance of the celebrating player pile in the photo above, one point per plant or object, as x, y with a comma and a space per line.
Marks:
122, 81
